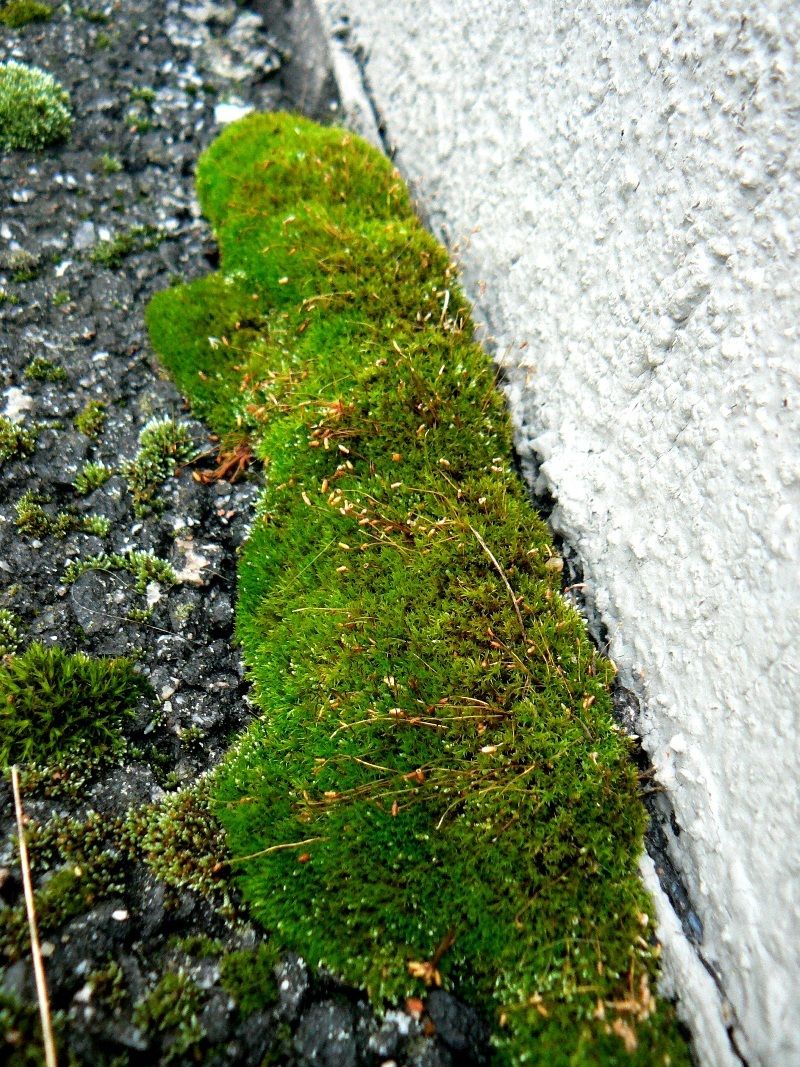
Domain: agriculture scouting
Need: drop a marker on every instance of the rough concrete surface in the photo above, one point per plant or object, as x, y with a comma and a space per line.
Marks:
622, 184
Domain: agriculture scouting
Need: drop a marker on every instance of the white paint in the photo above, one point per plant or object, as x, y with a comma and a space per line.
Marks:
622, 182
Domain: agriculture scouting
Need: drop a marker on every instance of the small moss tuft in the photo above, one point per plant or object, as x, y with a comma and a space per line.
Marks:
93, 14
144, 567
33, 519
91, 477
109, 164
18, 13
9, 632
92, 419
16, 441
114, 252
198, 945
164, 444
42, 369
172, 1010
108, 985
249, 977
52, 701
182, 841
20, 1032
34, 108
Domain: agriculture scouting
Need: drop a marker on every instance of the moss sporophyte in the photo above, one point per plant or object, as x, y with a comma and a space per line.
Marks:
434, 791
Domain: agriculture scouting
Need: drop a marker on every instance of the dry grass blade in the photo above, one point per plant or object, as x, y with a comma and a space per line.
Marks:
276, 848
506, 582
36, 950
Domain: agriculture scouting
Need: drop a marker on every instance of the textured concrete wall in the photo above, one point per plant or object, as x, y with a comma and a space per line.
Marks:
622, 182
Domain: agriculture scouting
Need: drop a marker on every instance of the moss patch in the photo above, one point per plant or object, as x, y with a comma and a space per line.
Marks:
113, 252
18, 13
435, 791
249, 977
164, 444
41, 369
92, 419
53, 702
143, 567
16, 441
9, 632
172, 1009
34, 108
33, 519
92, 476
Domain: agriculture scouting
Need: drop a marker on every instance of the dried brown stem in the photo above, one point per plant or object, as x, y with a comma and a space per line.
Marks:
36, 948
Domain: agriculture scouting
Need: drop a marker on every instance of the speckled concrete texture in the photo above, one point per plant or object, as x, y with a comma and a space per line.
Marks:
622, 183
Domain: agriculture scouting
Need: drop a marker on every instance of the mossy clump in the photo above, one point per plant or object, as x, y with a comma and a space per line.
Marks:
35, 520
109, 164
83, 863
164, 444
172, 1010
435, 791
52, 702
20, 1031
34, 108
41, 369
92, 476
249, 977
9, 632
183, 842
113, 252
16, 441
18, 13
143, 567
92, 419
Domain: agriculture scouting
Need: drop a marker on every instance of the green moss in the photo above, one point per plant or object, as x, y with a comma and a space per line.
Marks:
20, 1032
92, 419
109, 164
144, 94
91, 477
198, 945
52, 701
108, 985
16, 441
435, 789
33, 519
91, 14
61, 298
164, 444
114, 252
34, 108
144, 567
69, 891
249, 977
41, 369
98, 525
9, 632
172, 1009
18, 13
183, 842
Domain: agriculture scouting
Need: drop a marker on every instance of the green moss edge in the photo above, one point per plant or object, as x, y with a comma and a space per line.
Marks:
435, 787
